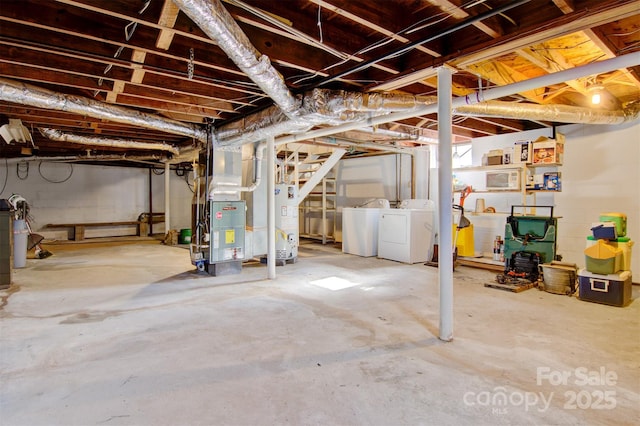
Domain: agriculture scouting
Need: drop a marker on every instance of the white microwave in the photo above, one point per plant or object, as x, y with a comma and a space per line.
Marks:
507, 180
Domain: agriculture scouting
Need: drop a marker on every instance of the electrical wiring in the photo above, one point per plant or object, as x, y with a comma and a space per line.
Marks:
6, 175
22, 170
190, 185
622, 34
408, 30
55, 181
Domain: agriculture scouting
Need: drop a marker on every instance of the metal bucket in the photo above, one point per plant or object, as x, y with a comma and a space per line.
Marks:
559, 278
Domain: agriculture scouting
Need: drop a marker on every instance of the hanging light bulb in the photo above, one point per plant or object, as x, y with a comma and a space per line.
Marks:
596, 94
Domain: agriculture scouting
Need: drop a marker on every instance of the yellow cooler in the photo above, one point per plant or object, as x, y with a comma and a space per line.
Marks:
619, 219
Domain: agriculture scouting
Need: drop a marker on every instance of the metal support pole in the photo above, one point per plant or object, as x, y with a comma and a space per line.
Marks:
271, 209
167, 198
445, 195
151, 201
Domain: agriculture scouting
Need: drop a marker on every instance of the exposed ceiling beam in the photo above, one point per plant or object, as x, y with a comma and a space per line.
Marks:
557, 28
506, 44
459, 13
326, 5
566, 6
167, 20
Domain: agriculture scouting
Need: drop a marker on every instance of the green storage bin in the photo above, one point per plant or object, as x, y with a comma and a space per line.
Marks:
624, 244
603, 258
620, 219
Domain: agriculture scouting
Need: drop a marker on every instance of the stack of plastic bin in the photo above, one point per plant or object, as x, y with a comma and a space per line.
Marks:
607, 276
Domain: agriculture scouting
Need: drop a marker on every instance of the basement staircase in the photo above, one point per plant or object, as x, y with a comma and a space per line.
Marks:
316, 182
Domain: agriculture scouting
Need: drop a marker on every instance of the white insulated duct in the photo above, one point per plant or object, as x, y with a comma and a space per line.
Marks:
212, 18
553, 113
59, 136
27, 94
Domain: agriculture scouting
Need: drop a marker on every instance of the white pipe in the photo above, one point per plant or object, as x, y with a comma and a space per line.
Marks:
608, 65
445, 181
167, 198
271, 209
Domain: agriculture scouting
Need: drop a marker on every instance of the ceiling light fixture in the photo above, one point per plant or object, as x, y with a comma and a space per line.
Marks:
596, 93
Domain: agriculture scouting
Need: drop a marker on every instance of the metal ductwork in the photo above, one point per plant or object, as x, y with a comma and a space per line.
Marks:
319, 107
59, 136
289, 114
399, 135
219, 25
600, 67
26, 94
553, 113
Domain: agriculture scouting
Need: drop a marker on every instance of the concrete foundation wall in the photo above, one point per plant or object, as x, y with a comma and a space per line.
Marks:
601, 173
65, 193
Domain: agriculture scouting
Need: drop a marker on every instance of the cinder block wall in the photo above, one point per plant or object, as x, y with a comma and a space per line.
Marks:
65, 193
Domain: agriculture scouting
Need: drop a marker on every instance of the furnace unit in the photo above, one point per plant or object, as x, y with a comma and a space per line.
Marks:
226, 240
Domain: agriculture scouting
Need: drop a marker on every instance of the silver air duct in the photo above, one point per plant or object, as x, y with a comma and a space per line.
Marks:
57, 135
399, 135
26, 94
219, 25
319, 107
553, 113
289, 115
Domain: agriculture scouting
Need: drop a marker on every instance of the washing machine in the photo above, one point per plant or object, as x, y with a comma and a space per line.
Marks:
406, 234
360, 228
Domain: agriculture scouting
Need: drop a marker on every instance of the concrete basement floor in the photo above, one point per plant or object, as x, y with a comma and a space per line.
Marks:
131, 334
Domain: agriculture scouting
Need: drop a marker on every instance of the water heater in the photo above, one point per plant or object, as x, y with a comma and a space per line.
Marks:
287, 226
